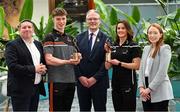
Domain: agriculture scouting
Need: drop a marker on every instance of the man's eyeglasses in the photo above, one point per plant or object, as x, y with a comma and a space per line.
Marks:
90, 19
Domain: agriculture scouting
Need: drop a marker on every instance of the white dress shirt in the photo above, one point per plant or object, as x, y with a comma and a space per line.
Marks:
149, 63
35, 54
94, 37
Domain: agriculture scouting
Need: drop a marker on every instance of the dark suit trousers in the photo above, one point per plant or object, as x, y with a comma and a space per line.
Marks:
97, 94
63, 94
26, 103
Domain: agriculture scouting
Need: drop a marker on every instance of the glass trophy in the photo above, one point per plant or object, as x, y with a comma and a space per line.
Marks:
110, 46
75, 55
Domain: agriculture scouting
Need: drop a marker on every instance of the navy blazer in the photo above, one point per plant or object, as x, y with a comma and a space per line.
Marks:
21, 70
92, 64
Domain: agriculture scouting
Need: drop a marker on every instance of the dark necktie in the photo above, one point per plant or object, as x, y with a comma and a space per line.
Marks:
90, 43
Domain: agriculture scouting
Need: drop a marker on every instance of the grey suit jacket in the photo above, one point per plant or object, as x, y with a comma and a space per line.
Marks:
158, 78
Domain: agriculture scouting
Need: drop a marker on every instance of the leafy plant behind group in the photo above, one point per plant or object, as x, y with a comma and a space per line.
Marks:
110, 15
27, 10
2, 42
40, 32
169, 22
1, 21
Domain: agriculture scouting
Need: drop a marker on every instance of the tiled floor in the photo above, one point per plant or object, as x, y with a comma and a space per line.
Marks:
44, 105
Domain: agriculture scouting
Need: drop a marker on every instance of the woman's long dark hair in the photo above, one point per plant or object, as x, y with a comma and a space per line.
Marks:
161, 40
129, 30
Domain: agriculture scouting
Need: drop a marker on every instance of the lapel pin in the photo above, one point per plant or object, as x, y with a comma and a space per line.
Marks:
98, 39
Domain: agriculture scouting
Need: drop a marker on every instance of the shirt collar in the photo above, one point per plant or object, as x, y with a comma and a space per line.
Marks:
59, 33
94, 33
28, 42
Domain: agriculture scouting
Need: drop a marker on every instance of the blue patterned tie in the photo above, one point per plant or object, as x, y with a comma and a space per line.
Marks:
90, 43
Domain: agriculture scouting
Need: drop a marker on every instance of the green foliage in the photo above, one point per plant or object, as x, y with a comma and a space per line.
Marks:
113, 14
11, 31
2, 42
1, 21
71, 29
27, 10
26, 13
44, 30
3, 68
110, 16
163, 5
177, 15
174, 69
136, 14
106, 15
49, 26
170, 22
40, 32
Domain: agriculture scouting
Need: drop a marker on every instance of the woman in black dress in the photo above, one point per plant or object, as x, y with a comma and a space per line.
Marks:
125, 59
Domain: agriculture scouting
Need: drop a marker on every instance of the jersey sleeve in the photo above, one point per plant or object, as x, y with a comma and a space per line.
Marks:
48, 44
136, 51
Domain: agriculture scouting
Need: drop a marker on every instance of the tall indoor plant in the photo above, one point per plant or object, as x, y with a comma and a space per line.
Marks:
26, 13
170, 22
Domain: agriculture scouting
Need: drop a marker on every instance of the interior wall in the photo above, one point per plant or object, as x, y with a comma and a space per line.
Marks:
40, 9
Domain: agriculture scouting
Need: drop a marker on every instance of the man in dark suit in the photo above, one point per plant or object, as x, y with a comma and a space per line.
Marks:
24, 58
91, 73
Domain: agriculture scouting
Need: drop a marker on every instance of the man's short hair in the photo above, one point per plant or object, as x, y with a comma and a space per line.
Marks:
25, 20
92, 10
59, 12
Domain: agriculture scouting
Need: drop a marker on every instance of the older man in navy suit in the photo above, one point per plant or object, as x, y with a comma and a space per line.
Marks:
24, 58
91, 73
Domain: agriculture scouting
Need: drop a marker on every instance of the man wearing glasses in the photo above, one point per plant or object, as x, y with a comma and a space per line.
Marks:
91, 73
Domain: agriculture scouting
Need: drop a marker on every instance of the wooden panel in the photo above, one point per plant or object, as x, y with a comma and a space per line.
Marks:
51, 5
91, 4
76, 8
12, 10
